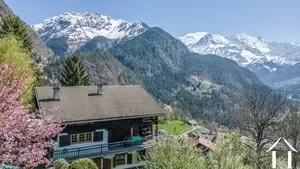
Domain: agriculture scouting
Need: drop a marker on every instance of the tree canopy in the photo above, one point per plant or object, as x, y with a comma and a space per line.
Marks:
24, 138
83, 163
13, 54
175, 153
12, 25
74, 73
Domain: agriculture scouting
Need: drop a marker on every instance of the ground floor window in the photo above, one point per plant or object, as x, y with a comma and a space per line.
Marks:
120, 159
81, 138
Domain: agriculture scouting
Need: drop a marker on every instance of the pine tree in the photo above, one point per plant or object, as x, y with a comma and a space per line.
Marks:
74, 73
12, 25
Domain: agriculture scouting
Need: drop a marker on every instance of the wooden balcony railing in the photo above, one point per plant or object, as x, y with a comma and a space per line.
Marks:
98, 150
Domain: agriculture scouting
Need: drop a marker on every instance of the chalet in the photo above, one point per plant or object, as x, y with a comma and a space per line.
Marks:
109, 124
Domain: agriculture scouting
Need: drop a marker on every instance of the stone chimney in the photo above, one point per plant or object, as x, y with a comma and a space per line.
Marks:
99, 89
56, 89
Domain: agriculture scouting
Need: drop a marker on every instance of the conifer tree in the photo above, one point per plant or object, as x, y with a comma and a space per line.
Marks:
12, 25
74, 73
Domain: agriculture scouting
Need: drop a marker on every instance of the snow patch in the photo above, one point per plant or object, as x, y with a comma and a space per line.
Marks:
192, 38
245, 49
270, 69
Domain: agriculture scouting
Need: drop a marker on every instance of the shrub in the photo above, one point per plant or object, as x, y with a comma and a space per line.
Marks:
13, 54
83, 163
61, 164
173, 153
230, 153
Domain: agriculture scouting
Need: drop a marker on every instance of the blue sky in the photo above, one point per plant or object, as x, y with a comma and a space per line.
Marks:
275, 20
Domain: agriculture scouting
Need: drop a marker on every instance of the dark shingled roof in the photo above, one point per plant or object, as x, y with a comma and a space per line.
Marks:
79, 104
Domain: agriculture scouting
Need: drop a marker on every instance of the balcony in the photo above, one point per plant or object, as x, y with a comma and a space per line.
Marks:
97, 151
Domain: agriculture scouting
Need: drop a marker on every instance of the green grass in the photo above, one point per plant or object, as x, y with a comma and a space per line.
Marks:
174, 127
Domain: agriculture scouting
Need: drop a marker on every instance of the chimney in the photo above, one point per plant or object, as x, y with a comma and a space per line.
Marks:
56, 89
99, 89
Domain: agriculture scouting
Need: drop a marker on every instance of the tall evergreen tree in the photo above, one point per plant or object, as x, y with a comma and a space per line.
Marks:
12, 25
74, 73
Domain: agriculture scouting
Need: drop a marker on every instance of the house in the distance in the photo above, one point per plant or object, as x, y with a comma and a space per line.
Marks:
108, 124
204, 139
193, 122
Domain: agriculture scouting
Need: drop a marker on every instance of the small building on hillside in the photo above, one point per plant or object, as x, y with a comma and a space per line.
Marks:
108, 124
204, 134
204, 139
205, 144
193, 122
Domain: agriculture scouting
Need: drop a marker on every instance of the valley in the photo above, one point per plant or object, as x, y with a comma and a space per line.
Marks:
85, 90
275, 63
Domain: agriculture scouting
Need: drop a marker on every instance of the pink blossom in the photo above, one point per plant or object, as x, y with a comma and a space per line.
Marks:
24, 137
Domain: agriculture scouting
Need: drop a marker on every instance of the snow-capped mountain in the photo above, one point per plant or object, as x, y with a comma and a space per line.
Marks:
275, 63
75, 29
272, 61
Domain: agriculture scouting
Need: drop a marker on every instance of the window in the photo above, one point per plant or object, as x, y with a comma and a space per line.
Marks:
98, 136
120, 159
81, 138
129, 158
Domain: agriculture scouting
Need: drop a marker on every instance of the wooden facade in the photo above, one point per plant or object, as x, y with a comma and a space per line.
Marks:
129, 160
108, 124
117, 130
116, 148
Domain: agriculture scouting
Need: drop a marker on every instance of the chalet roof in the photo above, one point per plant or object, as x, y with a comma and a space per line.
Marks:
79, 104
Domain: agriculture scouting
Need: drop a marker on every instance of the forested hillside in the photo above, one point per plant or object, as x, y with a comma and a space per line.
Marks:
207, 87
204, 86
42, 52
101, 68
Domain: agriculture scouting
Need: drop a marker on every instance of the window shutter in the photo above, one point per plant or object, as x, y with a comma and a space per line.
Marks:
98, 136
109, 136
141, 155
129, 158
115, 161
64, 140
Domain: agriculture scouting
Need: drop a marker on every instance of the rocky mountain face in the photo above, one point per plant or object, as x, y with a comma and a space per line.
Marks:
43, 53
75, 30
275, 63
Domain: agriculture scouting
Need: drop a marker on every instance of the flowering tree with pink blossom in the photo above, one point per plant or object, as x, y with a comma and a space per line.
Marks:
25, 138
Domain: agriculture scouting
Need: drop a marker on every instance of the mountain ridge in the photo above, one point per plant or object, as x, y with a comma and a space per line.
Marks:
193, 42
202, 85
271, 61
79, 28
